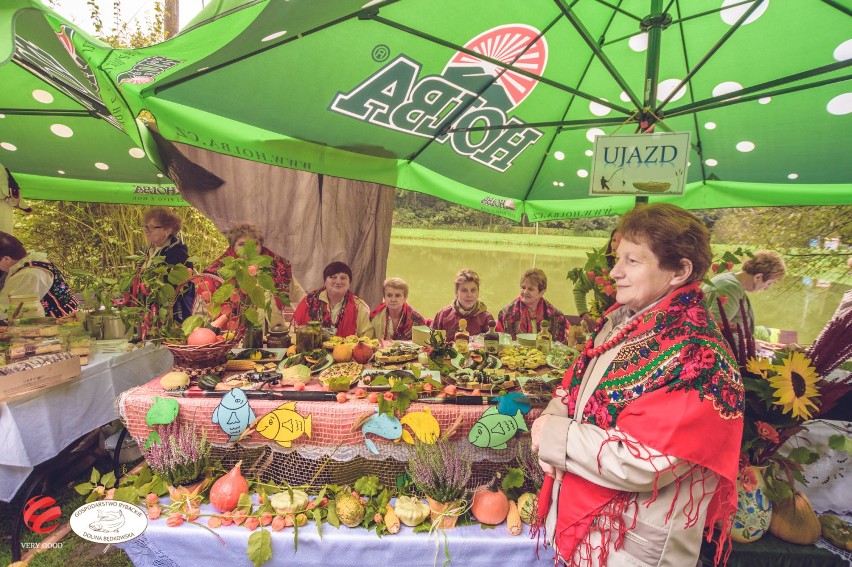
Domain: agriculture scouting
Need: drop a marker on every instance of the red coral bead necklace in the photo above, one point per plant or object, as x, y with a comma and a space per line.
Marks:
593, 351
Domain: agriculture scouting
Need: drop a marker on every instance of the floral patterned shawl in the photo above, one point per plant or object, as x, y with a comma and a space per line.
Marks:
515, 318
407, 320
675, 370
313, 308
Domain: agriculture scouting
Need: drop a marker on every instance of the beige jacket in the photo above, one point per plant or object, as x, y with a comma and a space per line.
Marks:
365, 328
580, 448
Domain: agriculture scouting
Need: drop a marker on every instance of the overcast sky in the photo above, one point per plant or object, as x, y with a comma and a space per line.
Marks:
131, 10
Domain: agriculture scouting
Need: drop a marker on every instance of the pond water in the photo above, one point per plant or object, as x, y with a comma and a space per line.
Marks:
430, 267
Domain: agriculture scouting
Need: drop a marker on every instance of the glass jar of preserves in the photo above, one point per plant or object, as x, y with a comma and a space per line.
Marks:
309, 336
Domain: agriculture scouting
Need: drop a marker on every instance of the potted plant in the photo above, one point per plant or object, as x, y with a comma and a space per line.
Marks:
97, 309
181, 458
442, 470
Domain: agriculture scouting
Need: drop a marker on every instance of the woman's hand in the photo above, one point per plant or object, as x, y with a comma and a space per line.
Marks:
536, 429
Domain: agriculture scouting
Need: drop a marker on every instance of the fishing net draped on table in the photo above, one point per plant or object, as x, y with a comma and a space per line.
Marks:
333, 454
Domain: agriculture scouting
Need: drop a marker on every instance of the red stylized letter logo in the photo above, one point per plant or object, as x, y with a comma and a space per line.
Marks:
40, 510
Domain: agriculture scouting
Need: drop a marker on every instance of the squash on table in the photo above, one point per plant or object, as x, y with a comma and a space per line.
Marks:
226, 491
794, 520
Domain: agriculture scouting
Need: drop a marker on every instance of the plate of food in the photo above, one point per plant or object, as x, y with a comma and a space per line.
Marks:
522, 358
486, 381
351, 340
259, 355
317, 360
476, 360
561, 358
378, 380
341, 377
399, 351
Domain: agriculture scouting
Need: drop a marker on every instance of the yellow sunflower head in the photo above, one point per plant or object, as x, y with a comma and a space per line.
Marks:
758, 366
795, 385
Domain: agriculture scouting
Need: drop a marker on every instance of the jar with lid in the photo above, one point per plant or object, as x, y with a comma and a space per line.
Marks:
309, 336
25, 307
278, 336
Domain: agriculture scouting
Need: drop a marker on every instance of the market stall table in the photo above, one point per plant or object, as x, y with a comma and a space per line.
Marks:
37, 427
331, 436
470, 546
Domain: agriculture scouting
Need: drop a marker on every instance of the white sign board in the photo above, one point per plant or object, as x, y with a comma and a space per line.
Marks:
644, 164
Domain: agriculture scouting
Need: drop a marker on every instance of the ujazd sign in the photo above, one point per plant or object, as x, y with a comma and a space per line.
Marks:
397, 98
640, 164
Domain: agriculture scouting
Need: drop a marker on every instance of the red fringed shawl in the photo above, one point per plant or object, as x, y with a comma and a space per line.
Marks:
515, 318
282, 271
675, 372
407, 320
312, 308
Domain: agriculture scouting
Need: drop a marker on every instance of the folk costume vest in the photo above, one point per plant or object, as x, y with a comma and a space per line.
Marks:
58, 301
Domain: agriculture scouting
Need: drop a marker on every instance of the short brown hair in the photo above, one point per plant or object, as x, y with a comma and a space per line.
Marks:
672, 234
164, 217
766, 262
465, 276
11, 247
396, 283
536, 276
245, 230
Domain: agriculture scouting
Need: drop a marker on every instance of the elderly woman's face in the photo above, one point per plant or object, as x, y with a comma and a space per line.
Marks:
394, 298
467, 294
640, 279
530, 294
240, 243
155, 233
337, 283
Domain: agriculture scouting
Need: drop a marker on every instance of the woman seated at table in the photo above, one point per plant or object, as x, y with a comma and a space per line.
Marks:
335, 306
530, 308
394, 318
465, 306
31, 273
640, 445
282, 271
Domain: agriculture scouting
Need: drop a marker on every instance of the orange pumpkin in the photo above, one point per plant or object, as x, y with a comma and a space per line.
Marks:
490, 507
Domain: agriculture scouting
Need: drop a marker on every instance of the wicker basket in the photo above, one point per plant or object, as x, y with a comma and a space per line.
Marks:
200, 359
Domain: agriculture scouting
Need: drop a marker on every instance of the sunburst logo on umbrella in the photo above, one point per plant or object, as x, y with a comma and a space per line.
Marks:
795, 385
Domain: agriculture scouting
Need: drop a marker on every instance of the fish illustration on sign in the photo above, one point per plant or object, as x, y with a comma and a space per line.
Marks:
163, 412
513, 402
423, 424
283, 424
494, 429
233, 414
383, 425
108, 521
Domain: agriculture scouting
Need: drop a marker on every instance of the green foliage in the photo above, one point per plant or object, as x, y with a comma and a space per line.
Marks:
259, 547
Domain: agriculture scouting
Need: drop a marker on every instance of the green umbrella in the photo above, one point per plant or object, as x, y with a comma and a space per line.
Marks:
494, 104
60, 132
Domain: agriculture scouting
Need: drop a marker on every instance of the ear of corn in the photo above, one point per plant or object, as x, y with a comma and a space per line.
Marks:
240, 365
391, 520
513, 520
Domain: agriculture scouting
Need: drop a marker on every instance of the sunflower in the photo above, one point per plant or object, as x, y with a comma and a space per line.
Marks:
795, 385
759, 366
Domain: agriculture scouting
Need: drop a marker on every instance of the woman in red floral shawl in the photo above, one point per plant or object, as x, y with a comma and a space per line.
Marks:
335, 305
393, 318
282, 272
640, 445
525, 314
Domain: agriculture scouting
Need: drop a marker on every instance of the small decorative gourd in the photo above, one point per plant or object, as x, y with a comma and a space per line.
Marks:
226, 491
174, 380
513, 520
411, 511
289, 502
527, 506
794, 520
391, 520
